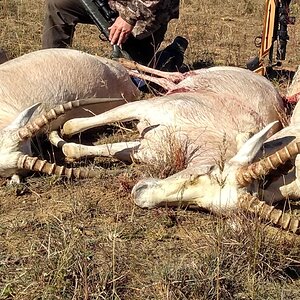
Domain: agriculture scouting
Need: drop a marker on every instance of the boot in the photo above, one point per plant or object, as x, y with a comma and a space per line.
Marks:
171, 58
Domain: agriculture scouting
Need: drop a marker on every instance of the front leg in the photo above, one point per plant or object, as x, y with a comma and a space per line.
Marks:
124, 151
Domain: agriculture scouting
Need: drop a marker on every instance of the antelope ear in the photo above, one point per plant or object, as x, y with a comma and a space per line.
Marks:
23, 118
248, 151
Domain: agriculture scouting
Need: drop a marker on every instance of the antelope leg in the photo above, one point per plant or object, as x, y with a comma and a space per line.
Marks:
127, 112
171, 76
124, 151
162, 82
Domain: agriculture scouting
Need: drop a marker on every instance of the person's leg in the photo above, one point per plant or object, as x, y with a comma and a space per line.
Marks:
60, 21
143, 51
3, 56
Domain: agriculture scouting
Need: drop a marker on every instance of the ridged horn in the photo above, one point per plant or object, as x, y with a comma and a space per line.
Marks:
248, 174
31, 128
269, 213
36, 164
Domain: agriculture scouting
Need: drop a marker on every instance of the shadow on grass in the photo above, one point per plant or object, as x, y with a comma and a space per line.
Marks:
280, 75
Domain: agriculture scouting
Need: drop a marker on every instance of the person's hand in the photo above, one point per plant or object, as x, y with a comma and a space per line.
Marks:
119, 31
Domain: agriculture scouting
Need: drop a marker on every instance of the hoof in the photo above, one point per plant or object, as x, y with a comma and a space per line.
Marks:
72, 151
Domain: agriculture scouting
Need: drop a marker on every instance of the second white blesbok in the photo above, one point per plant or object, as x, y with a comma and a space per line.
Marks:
221, 125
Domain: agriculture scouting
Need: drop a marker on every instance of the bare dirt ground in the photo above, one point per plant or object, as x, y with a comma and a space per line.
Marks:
87, 240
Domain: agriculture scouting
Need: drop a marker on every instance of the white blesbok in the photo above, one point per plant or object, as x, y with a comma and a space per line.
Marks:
214, 123
44, 79
286, 185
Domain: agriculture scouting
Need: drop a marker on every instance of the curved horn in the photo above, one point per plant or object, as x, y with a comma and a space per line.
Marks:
256, 170
31, 128
269, 213
36, 164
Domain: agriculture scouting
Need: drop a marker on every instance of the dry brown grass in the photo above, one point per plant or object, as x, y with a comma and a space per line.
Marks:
87, 240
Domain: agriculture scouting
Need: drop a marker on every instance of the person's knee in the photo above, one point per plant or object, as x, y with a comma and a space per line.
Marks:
70, 12
60, 5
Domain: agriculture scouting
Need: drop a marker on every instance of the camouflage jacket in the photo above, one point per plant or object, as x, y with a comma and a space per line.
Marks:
146, 15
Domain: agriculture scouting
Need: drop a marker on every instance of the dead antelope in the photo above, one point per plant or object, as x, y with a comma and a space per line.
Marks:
287, 184
43, 79
216, 120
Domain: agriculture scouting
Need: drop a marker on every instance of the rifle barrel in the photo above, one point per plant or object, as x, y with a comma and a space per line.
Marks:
96, 16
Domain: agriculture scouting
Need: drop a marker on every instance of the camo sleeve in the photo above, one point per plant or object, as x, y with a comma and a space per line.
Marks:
146, 15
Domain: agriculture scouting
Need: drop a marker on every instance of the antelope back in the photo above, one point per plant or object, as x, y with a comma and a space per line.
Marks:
55, 76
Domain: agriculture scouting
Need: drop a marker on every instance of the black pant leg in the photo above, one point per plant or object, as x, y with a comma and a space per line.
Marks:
60, 20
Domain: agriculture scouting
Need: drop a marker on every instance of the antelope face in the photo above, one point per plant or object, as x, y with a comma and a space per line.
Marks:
11, 146
217, 189
10, 150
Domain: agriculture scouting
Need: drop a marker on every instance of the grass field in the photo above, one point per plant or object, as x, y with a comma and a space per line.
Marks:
87, 240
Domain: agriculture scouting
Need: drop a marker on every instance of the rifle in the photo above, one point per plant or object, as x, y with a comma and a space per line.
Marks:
103, 17
275, 24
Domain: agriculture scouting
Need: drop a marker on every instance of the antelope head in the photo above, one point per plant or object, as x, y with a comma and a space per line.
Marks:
218, 188
12, 145
15, 150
